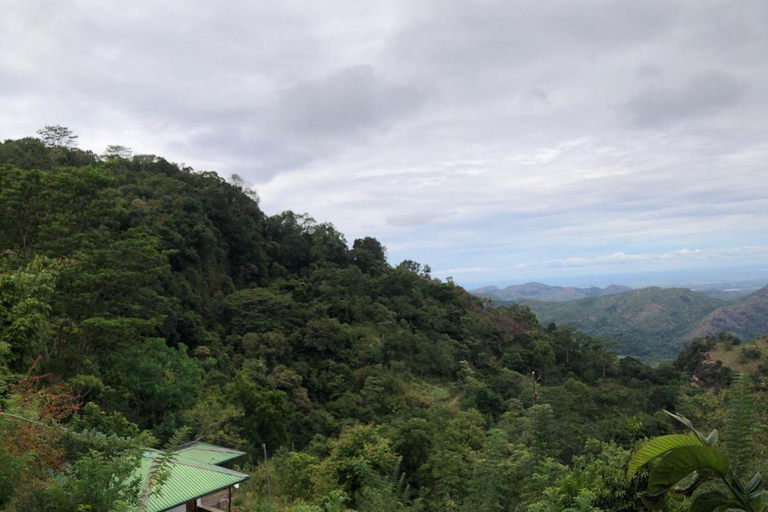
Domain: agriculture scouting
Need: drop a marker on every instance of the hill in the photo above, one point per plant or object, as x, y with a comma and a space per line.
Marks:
650, 323
139, 297
714, 360
746, 357
746, 318
543, 292
137, 294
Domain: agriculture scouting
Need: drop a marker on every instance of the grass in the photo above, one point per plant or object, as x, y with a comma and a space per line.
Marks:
738, 357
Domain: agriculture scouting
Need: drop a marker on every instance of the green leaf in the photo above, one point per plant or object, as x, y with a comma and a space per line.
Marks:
682, 419
756, 500
696, 480
685, 421
713, 501
656, 447
681, 462
756, 483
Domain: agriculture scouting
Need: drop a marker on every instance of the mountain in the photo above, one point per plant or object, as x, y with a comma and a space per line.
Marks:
746, 318
650, 323
543, 292
136, 294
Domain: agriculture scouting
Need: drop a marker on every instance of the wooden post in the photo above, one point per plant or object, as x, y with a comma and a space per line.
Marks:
229, 501
266, 470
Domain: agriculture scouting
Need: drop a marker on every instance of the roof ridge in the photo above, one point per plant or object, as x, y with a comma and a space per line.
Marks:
210, 467
210, 448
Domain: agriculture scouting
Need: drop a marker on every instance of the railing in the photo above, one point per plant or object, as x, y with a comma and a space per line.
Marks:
205, 508
218, 502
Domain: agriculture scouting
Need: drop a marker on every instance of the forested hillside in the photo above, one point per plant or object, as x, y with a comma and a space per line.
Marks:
649, 323
746, 318
543, 292
138, 297
653, 323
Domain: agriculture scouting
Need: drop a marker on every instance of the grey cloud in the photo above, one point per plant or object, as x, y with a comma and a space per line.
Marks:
702, 94
376, 115
308, 121
349, 101
413, 219
649, 72
535, 95
471, 35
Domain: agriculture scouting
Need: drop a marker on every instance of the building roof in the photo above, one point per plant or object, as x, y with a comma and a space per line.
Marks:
207, 453
189, 476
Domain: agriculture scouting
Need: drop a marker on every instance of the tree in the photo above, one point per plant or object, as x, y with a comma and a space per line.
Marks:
45, 465
24, 207
58, 137
357, 447
369, 255
117, 151
25, 310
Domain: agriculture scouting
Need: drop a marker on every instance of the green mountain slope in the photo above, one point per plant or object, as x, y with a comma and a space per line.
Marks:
543, 292
746, 319
157, 298
177, 301
650, 323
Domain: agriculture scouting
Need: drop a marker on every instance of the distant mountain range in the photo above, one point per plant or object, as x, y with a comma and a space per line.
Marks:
543, 292
652, 323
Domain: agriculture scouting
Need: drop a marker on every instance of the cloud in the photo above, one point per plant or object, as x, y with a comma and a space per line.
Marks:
649, 72
702, 94
457, 271
413, 219
345, 103
490, 135
680, 256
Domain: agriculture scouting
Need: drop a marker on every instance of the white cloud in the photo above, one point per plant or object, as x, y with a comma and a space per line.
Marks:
680, 256
456, 271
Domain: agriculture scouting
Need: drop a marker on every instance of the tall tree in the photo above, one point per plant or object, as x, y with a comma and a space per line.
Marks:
55, 136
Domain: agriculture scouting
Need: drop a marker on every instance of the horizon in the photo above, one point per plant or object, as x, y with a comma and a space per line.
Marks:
751, 277
558, 143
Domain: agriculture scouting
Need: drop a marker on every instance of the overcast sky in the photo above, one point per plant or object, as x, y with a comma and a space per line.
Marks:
497, 141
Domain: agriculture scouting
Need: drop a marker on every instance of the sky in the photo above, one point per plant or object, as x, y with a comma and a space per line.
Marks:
567, 141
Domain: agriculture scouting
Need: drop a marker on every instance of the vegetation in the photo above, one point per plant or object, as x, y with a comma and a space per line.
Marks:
695, 459
746, 318
543, 292
139, 298
650, 323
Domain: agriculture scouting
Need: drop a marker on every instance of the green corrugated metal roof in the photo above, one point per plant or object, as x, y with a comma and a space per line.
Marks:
207, 453
187, 480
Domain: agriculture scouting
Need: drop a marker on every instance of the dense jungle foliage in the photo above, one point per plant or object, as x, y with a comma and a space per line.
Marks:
138, 297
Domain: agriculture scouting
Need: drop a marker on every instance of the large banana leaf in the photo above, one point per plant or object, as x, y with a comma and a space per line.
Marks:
713, 501
656, 447
681, 462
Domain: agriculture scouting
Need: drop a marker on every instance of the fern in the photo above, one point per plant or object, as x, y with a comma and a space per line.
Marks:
740, 423
160, 469
385, 493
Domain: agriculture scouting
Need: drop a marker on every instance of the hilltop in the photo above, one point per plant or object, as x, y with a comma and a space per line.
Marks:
544, 292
